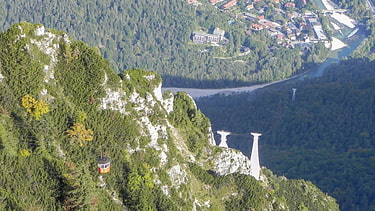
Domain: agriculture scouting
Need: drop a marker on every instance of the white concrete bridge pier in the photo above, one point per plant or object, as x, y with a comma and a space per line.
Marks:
294, 94
223, 139
254, 159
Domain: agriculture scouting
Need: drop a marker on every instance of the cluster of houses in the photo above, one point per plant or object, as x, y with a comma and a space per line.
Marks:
227, 4
288, 34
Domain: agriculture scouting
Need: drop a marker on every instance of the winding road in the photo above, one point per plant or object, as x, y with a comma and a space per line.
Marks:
197, 93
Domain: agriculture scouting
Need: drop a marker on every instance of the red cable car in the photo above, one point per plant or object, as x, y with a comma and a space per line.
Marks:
104, 165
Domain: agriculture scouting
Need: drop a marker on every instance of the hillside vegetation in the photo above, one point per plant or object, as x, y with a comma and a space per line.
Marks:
326, 135
155, 36
62, 107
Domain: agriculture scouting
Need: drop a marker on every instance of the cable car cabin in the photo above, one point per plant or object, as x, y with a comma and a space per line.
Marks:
104, 165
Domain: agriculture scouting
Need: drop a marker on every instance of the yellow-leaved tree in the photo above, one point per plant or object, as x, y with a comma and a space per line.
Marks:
36, 108
79, 133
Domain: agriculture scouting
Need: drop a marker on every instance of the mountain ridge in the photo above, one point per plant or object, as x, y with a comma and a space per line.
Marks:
62, 107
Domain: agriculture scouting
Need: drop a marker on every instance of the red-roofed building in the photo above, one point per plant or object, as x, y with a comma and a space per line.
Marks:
250, 6
290, 4
230, 4
267, 24
256, 26
192, 1
215, 1
261, 17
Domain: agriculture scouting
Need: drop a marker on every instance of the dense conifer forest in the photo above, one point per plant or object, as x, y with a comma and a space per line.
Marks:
325, 135
155, 36
358, 7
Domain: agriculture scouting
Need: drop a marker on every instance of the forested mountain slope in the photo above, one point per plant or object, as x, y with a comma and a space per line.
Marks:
358, 7
62, 108
326, 135
155, 35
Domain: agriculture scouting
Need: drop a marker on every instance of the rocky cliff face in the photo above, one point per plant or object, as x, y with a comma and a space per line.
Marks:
230, 161
62, 107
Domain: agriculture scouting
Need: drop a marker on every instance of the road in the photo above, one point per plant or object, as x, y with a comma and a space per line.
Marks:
197, 93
